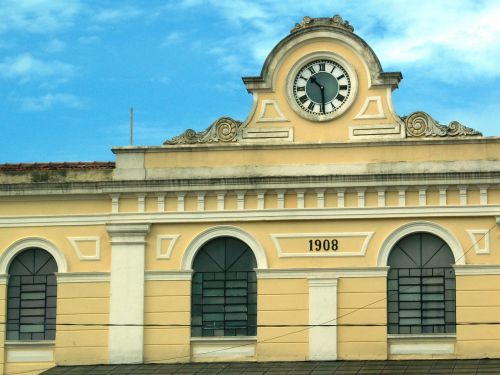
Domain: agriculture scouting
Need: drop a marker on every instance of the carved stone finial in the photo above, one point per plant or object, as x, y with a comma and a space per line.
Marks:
420, 124
224, 129
335, 21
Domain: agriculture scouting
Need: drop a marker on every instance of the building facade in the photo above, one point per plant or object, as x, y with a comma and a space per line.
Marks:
322, 227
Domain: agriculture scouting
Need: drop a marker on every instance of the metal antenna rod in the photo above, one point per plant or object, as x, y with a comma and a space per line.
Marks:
131, 126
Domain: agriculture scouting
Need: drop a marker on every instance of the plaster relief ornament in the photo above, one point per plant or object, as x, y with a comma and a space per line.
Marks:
224, 129
420, 124
333, 21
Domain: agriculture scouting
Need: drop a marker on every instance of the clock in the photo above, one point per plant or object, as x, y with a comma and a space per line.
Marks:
321, 89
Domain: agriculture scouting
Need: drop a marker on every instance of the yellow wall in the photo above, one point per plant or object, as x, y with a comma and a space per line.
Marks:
78, 303
478, 301
283, 301
167, 302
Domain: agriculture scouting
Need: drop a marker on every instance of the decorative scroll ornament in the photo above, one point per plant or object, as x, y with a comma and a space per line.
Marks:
336, 21
225, 129
420, 124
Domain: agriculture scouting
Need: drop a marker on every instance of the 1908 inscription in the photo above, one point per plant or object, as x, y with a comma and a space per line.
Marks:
324, 245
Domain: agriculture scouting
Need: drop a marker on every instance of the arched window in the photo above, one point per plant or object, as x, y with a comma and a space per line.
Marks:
421, 286
224, 289
31, 296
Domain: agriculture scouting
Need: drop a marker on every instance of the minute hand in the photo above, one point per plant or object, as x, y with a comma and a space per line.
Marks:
322, 89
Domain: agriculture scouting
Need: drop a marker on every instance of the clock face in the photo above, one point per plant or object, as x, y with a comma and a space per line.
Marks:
322, 87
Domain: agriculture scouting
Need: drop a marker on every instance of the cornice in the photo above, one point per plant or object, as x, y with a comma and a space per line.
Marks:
325, 181
405, 142
288, 214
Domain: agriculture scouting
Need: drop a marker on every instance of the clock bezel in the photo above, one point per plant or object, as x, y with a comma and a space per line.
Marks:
300, 64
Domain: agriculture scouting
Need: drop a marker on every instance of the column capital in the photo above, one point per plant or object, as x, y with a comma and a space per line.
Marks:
128, 233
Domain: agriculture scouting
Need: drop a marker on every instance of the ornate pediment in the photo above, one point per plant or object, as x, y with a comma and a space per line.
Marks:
224, 129
335, 21
420, 124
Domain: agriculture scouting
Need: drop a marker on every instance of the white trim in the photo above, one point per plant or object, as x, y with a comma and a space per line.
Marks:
115, 203
74, 243
181, 204
483, 234
280, 199
300, 199
221, 200
254, 215
483, 195
361, 197
83, 277
320, 198
222, 348
421, 226
402, 196
267, 135
173, 238
3, 279
263, 104
341, 198
141, 202
168, 275
463, 195
24, 355
385, 131
317, 273
261, 202
422, 195
443, 201
25, 243
222, 231
421, 344
126, 304
378, 101
200, 201
240, 199
477, 269
327, 254
160, 203
322, 310
381, 197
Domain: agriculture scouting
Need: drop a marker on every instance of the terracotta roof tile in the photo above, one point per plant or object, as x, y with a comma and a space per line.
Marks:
26, 167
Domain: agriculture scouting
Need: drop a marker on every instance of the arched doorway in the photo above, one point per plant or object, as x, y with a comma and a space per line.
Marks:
224, 289
421, 286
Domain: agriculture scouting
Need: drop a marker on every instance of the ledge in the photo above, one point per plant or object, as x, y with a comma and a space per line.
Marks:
422, 344
29, 351
223, 348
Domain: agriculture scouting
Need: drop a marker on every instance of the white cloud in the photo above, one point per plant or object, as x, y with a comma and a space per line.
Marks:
89, 39
25, 68
37, 16
451, 38
55, 45
448, 38
114, 15
46, 102
173, 37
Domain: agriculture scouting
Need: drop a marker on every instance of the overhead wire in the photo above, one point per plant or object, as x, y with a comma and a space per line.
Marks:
303, 328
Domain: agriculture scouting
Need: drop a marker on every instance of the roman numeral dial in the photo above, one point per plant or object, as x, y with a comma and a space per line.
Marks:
321, 88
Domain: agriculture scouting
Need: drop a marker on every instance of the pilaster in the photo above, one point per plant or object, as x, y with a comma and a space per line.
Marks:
126, 310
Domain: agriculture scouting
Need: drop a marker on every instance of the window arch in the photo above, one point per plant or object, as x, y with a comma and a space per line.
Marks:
421, 286
224, 289
32, 296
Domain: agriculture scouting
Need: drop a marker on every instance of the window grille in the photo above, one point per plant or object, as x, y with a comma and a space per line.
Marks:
224, 290
421, 286
32, 296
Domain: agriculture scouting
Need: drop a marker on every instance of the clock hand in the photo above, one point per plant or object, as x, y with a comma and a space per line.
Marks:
322, 98
322, 89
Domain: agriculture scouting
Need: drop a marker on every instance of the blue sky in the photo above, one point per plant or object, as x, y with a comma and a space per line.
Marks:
71, 69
